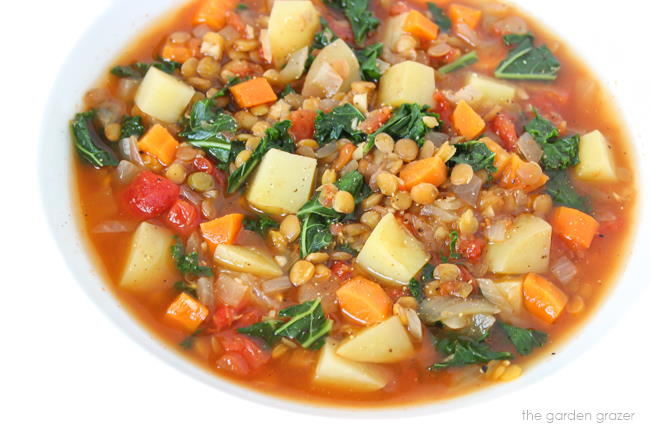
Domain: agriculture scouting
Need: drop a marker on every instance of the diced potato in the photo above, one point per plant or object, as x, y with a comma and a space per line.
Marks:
162, 96
246, 259
391, 253
392, 31
292, 26
149, 264
492, 91
596, 161
407, 82
332, 371
526, 247
385, 342
282, 183
341, 59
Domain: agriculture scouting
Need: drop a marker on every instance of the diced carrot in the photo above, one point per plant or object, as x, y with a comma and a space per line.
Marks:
429, 170
510, 178
176, 52
501, 156
364, 301
213, 13
420, 26
186, 312
222, 230
253, 92
576, 228
466, 121
542, 298
159, 143
460, 14
344, 156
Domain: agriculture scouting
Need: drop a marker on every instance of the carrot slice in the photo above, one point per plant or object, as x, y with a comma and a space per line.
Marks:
345, 155
222, 230
420, 26
364, 301
542, 298
460, 14
159, 143
253, 92
429, 170
576, 228
186, 312
466, 121
213, 13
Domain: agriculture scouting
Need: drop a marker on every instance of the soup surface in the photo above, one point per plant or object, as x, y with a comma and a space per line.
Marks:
355, 204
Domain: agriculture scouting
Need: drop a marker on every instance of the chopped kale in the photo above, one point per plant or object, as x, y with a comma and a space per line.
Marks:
188, 263
527, 62
369, 66
132, 126
461, 62
559, 153
341, 122
561, 189
260, 224
461, 351
439, 17
358, 14
405, 122
524, 340
92, 148
476, 154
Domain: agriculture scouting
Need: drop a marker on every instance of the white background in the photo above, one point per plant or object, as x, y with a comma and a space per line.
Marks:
65, 367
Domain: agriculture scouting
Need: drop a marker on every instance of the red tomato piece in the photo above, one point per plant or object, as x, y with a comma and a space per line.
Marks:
203, 164
234, 363
249, 318
503, 126
236, 22
342, 270
444, 108
182, 217
471, 249
375, 119
223, 318
302, 124
398, 9
254, 355
150, 195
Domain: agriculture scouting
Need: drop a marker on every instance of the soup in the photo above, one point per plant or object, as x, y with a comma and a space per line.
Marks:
351, 205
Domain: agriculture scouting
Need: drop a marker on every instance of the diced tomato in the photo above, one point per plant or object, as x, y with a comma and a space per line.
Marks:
398, 8
375, 119
471, 249
503, 126
302, 124
249, 318
223, 317
182, 217
234, 363
203, 164
150, 195
342, 270
254, 355
467, 277
444, 108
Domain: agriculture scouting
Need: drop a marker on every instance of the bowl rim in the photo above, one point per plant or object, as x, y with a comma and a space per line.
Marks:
66, 231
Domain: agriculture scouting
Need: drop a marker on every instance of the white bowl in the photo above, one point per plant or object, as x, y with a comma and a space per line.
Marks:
91, 57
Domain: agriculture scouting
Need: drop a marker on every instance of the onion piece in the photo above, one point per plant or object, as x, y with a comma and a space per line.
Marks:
205, 291
134, 152
187, 193
231, 289
295, 66
440, 214
529, 148
326, 150
114, 226
496, 232
469, 192
448, 307
564, 270
438, 138
126, 172
277, 284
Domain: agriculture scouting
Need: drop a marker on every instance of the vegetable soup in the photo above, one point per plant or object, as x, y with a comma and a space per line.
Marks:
352, 202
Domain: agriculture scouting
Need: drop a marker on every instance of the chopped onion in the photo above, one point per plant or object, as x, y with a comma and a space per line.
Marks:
231, 289
126, 171
440, 214
564, 270
113, 226
448, 307
229, 33
205, 291
323, 290
510, 24
201, 30
468, 192
448, 203
496, 232
295, 66
414, 324
506, 296
529, 147
350, 166
326, 150
264, 299
277, 284
134, 152
266, 45
187, 193
438, 138
469, 94
126, 88
325, 79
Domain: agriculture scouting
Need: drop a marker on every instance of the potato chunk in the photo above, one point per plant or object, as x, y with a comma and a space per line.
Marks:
526, 247
149, 263
292, 26
385, 342
335, 63
162, 96
282, 183
596, 162
492, 91
332, 371
391, 253
246, 259
407, 82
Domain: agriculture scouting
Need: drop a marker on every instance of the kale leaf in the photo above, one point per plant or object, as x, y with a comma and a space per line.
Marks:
367, 57
561, 189
321, 39
138, 70
314, 235
358, 14
341, 122
524, 340
405, 122
287, 90
91, 147
559, 153
476, 154
261, 224
277, 136
527, 62
461, 62
461, 351
264, 330
416, 285
188, 263
439, 17
132, 126
453, 241
205, 129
